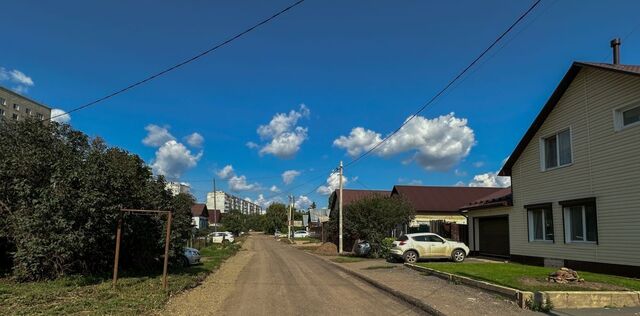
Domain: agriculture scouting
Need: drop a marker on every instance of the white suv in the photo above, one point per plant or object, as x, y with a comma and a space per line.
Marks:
411, 247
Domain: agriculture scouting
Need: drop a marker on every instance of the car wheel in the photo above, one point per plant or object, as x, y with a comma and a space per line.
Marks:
458, 255
410, 256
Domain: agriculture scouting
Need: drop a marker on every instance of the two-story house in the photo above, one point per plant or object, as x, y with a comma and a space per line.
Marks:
575, 174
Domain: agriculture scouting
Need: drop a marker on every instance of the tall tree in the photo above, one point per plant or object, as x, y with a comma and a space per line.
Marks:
275, 218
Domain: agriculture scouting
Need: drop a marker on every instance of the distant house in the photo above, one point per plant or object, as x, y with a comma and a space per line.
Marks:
432, 203
488, 223
199, 216
575, 177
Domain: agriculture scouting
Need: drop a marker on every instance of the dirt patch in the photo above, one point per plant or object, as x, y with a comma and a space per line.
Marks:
593, 286
327, 249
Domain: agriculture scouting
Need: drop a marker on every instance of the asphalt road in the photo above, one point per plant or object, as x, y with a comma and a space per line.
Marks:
281, 280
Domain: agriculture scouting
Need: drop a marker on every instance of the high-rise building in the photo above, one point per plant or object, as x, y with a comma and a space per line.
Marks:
226, 202
177, 187
16, 107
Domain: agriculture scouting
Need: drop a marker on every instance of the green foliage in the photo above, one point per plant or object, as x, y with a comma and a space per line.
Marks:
60, 195
234, 221
385, 247
372, 219
275, 218
539, 306
254, 222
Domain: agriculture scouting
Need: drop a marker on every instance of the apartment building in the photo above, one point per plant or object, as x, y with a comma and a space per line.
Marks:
16, 107
177, 187
226, 202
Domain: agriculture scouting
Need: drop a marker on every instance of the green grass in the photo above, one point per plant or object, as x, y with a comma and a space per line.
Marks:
511, 274
379, 267
347, 259
93, 295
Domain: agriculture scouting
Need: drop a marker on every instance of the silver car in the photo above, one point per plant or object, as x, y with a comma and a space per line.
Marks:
412, 247
190, 256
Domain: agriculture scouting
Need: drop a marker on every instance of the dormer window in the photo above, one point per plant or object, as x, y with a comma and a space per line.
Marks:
556, 150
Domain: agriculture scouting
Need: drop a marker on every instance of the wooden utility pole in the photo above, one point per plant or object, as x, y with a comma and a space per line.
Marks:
167, 240
289, 220
340, 211
117, 256
215, 207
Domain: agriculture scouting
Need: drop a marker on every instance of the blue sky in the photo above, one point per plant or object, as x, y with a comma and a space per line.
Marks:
352, 64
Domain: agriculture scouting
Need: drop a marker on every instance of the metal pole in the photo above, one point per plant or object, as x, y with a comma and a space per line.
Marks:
117, 256
166, 252
215, 207
340, 208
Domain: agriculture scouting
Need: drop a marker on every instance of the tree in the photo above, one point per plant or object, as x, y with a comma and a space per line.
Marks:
313, 206
234, 221
373, 218
60, 199
254, 222
275, 218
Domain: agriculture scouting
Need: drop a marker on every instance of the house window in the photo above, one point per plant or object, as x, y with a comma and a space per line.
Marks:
14, 116
556, 150
540, 223
28, 110
16, 107
1, 112
40, 116
626, 117
3, 101
580, 221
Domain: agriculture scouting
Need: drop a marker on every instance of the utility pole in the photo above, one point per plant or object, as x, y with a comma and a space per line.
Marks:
289, 220
215, 207
340, 210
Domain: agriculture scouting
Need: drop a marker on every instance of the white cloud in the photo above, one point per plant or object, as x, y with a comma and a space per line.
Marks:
282, 135
490, 179
478, 164
239, 183
460, 173
20, 79
289, 175
333, 182
410, 182
195, 140
436, 144
274, 189
226, 172
173, 159
157, 136
460, 184
262, 201
303, 202
60, 116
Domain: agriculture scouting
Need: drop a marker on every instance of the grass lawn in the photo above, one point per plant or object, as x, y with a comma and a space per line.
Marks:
94, 295
532, 278
347, 259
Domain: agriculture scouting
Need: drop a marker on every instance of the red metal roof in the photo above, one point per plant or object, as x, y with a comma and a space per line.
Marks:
502, 197
441, 199
199, 210
351, 196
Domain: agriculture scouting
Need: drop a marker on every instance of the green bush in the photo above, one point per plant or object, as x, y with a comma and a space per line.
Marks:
60, 196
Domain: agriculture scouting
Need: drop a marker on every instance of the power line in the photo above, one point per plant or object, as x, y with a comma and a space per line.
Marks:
182, 63
446, 87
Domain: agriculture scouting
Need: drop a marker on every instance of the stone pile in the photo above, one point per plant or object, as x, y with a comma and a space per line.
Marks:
564, 275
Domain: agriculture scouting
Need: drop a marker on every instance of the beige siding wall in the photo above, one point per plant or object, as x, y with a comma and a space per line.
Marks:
423, 218
606, 165
472, 219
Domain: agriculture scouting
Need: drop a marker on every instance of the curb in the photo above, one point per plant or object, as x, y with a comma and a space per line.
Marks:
395, 293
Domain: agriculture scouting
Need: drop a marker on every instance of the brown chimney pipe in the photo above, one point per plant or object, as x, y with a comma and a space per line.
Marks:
615, 44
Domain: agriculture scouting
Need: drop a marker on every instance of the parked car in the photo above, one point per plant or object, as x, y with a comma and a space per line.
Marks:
220, 237
412, 247
300, 234
362, 249
190, 256
278, 234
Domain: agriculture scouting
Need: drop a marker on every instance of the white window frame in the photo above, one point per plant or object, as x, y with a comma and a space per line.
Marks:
567, 226
618, 120
16, 106
544, 229
2, 112
3, 101
543, 158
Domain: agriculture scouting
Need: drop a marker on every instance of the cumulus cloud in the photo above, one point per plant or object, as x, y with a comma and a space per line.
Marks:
60, 116
226, 172
282, 135
195, 140
157, 135
173, 159
239, 183
303, 202
264, 202
478, 164
19, 79
333, 182
274, 189
436, 144
490, 179
289, 175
